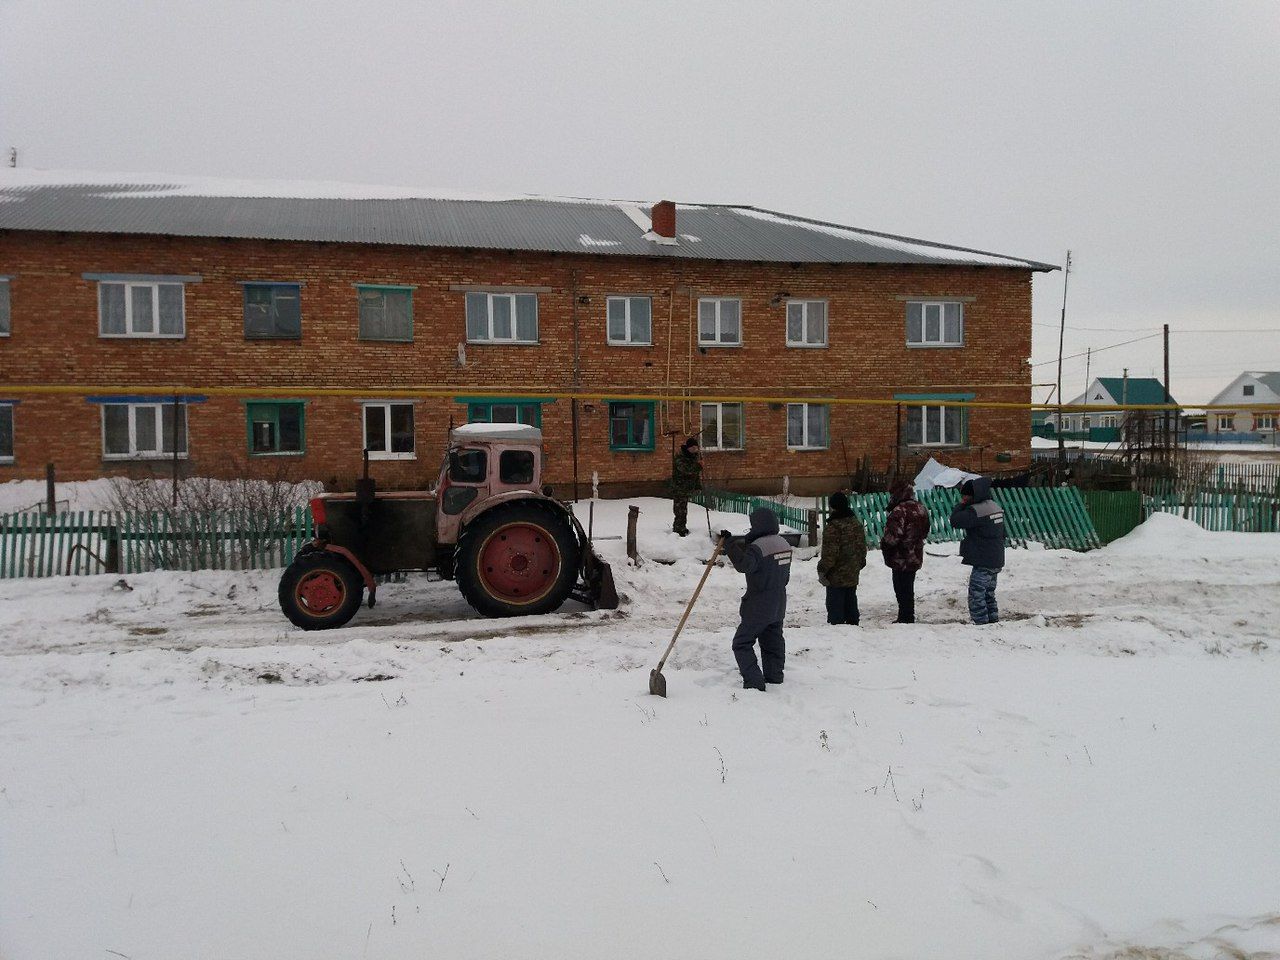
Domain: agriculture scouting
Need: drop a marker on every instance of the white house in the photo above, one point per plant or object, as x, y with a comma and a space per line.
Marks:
1248, 388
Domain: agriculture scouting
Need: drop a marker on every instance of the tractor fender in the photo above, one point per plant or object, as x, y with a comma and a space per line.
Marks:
486, 504
365, 575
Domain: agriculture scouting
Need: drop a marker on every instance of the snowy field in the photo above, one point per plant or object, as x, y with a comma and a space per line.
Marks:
185, 775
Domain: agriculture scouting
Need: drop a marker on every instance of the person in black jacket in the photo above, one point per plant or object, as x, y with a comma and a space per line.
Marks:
982, 548
766, 560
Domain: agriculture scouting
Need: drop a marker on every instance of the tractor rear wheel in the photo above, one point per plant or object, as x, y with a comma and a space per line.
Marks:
518, 559
320, 590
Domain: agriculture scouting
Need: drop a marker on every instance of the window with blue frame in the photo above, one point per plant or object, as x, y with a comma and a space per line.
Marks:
276, 427
272, 311
631, 425
505, 411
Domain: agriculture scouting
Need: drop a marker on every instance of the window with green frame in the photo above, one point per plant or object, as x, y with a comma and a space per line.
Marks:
505, 411
276, 426
631, 425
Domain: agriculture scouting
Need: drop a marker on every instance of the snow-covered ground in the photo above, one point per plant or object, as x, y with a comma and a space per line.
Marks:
183, 774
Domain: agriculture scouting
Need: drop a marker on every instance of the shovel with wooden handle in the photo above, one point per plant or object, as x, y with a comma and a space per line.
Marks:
657, 682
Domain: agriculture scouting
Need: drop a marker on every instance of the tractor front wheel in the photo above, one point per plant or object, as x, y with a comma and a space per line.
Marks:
518, 559
320, 590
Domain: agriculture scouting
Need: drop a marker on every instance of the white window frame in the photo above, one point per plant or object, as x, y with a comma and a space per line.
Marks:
806, 443
804, 324
386, 406
719, 439
1108, 422
1264, 421
942, 341
719, 303
129, 287
630, 341
515, 326
946, 441
159, 453
13, 431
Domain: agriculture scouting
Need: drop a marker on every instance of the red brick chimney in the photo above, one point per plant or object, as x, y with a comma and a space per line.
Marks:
663, 217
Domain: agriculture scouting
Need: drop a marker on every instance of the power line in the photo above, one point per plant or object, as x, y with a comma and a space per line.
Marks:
1123, 343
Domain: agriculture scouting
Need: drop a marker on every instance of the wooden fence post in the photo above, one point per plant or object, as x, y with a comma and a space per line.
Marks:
633, 517
113, 549
50, 490
813, 528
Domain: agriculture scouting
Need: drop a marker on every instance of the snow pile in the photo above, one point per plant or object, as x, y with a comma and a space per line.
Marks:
1088, 779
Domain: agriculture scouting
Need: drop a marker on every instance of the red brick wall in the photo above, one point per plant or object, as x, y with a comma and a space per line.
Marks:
55, 341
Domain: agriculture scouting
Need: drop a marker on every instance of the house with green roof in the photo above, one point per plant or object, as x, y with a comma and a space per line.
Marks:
1108, 425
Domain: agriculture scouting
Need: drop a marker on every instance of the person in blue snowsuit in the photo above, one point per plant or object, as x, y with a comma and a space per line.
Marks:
982, 520
766, 560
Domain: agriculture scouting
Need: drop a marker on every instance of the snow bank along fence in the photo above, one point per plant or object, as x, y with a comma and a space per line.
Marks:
1239, 509
45, 545
1054, 516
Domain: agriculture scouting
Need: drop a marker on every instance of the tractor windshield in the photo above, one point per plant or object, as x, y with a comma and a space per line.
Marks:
468, 466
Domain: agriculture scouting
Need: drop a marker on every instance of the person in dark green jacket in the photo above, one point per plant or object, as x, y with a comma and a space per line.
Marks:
844, 554
686, 480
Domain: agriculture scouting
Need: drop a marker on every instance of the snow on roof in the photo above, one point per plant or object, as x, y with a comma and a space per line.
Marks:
498, 431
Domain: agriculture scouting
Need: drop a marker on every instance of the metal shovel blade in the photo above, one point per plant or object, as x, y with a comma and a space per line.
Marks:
657, 683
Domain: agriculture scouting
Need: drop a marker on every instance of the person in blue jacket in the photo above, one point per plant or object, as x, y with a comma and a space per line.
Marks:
982, 520
765, 558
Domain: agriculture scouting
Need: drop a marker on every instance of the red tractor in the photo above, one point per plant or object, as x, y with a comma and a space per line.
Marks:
489, 524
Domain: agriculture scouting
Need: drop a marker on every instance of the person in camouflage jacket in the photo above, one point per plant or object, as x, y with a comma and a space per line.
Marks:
686, 480
844, 554
905, 531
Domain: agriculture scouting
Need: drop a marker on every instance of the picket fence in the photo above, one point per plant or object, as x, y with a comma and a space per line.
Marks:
1053, 516
45, 545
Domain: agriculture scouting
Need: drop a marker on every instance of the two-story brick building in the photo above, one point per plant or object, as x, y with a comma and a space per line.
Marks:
300, 325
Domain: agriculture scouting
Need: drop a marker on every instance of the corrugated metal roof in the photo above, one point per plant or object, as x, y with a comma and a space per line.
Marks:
176, 207
1137, 390
1269, 379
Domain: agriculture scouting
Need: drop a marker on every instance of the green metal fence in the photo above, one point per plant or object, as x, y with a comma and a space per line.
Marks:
45, 545
1054, 516
1223, 508
1114, 512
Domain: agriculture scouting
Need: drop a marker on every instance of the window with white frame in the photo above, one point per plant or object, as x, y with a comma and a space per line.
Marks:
140, 309
1261, 421
502, 317
1109, 422
388, 431
6, 433
806, 323
138, 431
935, 323
630, 321
722, 426
807, 426
386, 313
1226, 422
4, 307
938, 425
719, 322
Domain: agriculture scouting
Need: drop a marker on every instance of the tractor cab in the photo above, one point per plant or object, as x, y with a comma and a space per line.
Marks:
485, 461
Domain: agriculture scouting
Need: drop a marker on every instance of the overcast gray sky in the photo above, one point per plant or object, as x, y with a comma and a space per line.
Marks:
1145, 136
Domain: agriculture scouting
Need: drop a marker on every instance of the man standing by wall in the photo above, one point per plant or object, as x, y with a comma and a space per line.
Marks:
766, 560
686, 480
982, 548
844, 554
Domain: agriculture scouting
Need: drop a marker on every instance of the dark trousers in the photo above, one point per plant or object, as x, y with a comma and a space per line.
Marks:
982, 595
842, 605
680, 507
904, 588
773, 651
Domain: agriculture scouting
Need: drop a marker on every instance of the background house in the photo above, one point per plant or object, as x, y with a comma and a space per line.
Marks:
1251, 387
1108, 425
299, 325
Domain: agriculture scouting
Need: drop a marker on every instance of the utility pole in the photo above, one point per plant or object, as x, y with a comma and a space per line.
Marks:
1168, 453
1062, 334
